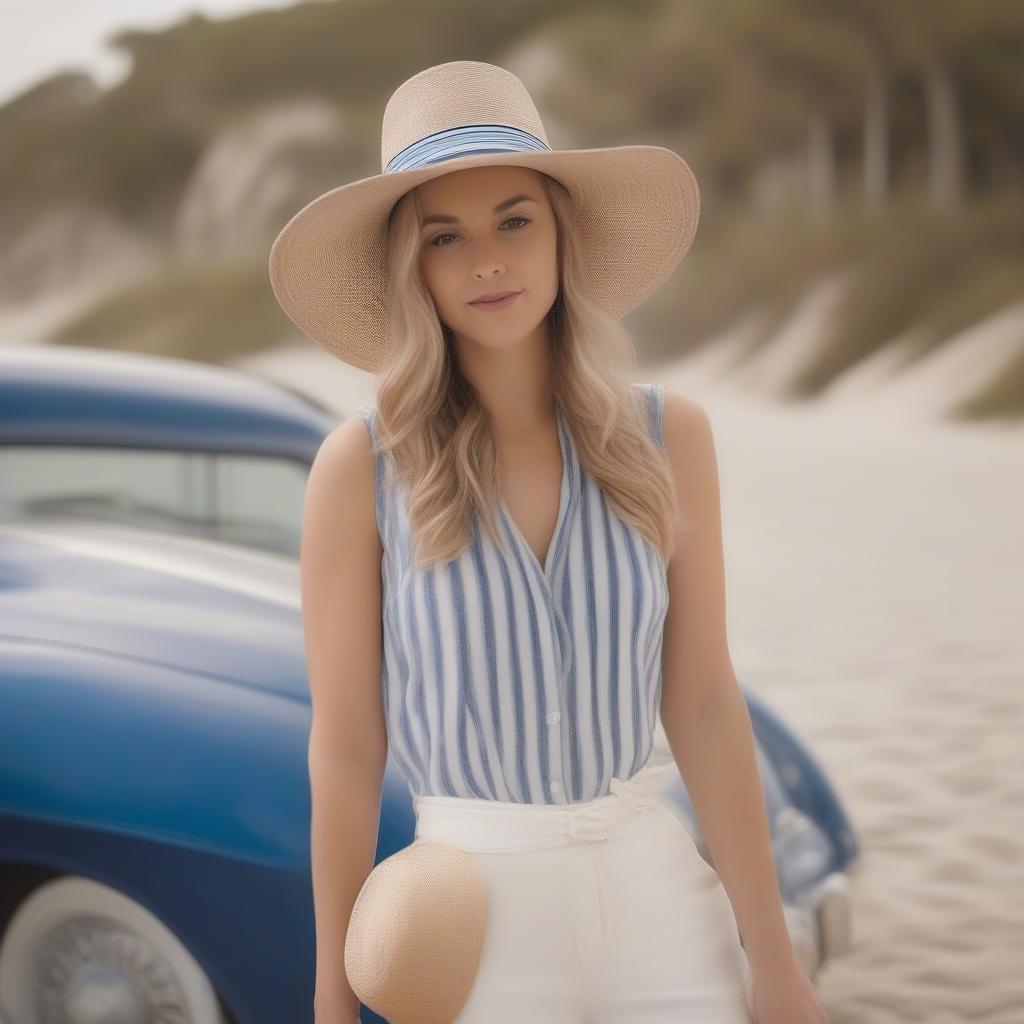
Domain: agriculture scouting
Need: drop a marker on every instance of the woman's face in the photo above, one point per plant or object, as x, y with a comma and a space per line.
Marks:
474, 242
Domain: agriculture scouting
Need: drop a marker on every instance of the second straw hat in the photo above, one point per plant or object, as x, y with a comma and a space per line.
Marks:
635, 207
416, 934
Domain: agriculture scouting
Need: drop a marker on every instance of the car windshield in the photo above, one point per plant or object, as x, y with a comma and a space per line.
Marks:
251, 500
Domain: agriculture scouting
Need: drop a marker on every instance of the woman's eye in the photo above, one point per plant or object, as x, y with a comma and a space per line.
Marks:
446, 234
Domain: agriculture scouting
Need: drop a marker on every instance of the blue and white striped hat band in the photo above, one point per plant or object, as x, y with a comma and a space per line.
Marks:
465, 140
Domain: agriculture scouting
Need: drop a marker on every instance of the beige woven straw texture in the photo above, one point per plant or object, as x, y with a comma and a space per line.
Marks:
635, 209
416, 934
450, 95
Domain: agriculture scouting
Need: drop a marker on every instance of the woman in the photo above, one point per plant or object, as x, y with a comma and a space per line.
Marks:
510, 565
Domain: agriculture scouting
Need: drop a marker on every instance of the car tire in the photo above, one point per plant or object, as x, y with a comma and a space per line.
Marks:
76, 949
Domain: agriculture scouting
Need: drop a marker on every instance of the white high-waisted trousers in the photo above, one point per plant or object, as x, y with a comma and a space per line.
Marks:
600, 912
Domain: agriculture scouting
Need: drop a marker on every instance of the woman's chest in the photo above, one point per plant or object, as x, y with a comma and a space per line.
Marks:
597, 605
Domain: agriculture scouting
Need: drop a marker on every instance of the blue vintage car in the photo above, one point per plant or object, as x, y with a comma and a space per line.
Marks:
154, 705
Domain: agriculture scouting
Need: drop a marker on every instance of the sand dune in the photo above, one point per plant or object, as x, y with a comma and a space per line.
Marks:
894, 383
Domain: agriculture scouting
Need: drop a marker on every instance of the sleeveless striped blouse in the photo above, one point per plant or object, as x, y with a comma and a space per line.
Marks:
503, 679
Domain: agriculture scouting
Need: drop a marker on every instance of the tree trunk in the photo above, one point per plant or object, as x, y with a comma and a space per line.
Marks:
821, 166
876, 137
945, 143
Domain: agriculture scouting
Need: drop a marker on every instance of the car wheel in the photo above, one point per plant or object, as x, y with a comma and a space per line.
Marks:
77, 950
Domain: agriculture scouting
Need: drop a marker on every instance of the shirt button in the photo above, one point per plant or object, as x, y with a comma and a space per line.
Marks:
554, 717
555, 787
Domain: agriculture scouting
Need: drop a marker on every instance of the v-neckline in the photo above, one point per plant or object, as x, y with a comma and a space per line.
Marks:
564, 495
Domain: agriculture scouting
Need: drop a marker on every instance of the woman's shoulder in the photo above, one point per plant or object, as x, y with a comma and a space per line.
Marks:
681, 412
687, 433
348, 449
676, 418
342, 481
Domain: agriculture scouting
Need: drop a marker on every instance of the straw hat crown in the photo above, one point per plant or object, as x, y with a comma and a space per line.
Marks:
463, 92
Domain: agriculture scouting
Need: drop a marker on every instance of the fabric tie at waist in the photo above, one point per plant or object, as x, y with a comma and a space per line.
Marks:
479, 825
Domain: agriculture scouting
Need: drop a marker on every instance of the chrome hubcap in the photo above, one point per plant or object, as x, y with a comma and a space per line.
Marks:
97, 972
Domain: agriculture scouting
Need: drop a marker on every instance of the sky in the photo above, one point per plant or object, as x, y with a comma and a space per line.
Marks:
42, 37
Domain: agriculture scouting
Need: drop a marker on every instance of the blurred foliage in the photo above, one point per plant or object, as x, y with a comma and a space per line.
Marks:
133, 147
896, 129
730, 82
935, 273
209, 312
1001, 400
914, 269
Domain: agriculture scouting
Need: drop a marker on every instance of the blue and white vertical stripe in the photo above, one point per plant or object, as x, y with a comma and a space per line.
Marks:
507, 680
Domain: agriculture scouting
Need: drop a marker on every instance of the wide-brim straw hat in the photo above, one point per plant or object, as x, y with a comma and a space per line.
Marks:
635, 207
416, 934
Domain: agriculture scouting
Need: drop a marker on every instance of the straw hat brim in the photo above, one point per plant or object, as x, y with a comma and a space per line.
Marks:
636, 210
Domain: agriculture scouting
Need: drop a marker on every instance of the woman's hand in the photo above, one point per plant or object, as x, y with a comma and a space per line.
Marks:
785, 995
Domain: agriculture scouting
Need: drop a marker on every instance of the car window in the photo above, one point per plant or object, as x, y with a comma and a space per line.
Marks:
251, 500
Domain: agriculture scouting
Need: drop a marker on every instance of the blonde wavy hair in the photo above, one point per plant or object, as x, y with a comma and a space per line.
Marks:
432, 427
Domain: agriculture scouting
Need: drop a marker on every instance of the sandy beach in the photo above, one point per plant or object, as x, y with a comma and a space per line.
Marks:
874, 583
875, 597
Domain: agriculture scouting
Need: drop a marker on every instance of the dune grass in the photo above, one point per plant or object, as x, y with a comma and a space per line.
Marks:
911, 268
210, 312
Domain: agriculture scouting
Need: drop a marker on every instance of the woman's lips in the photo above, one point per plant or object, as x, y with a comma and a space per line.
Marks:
490, 307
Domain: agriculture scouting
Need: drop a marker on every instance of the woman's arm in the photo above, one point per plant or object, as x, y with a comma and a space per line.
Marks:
708, 725
341, 615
